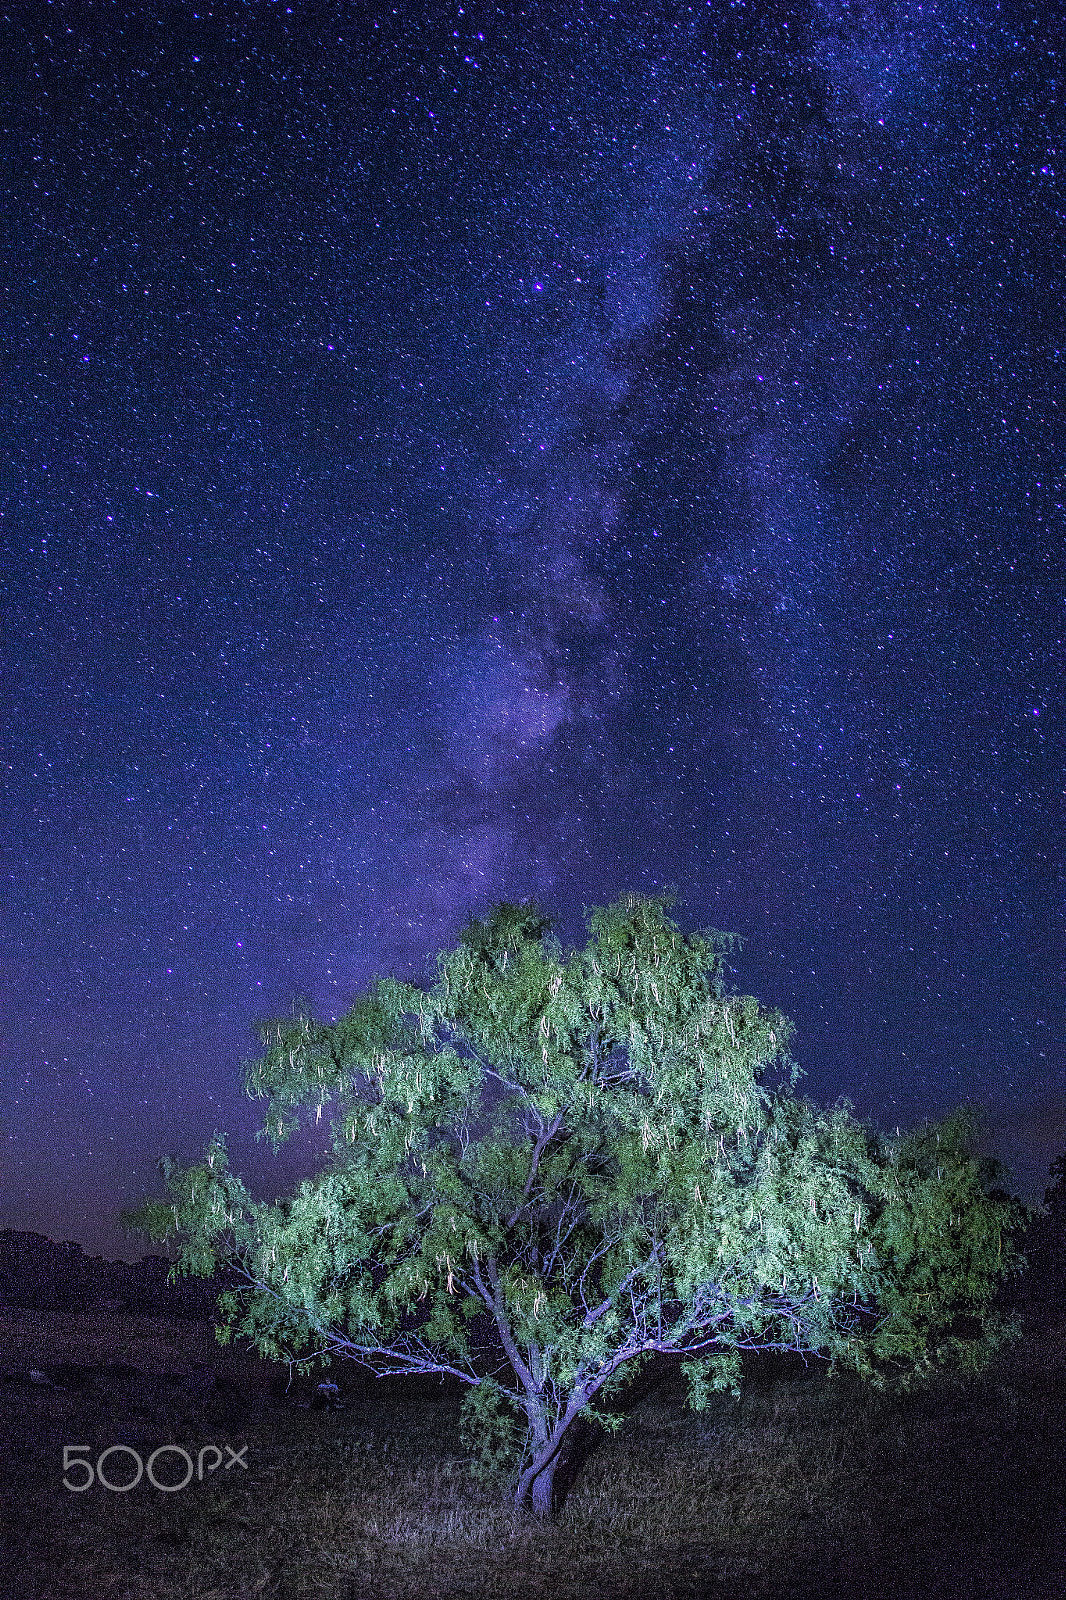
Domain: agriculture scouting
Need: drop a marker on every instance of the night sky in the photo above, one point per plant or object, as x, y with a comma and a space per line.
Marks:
456, 453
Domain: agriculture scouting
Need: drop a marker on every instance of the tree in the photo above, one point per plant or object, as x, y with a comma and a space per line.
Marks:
1055, 1196
1044, 1286
549, 1168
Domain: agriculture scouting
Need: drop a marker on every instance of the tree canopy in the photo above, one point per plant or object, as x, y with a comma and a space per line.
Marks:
549, 1167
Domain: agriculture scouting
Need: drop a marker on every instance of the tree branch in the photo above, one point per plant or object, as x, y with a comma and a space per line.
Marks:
542, 1143
626, 1283
494, 1301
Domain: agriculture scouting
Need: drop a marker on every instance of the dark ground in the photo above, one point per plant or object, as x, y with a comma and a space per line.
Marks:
957, 1494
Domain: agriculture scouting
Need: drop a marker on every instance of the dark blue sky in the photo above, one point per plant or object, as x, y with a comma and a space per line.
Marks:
458, 453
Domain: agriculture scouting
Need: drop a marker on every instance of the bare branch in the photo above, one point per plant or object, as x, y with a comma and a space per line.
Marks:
542, 1144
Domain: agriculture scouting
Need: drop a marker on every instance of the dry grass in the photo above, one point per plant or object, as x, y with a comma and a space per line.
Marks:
803, 1487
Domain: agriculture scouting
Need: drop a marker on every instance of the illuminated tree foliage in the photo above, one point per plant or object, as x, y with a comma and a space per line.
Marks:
550, 1167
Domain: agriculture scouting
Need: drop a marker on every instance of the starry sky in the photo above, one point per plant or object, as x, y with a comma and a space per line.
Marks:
467, 452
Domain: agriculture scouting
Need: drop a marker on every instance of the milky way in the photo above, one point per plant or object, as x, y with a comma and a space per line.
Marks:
456, 456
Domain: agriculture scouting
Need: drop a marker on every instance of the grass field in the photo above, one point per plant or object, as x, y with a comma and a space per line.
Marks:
805, 1486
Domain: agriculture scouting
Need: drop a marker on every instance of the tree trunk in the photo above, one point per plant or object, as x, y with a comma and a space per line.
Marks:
557, 1462
536, 1489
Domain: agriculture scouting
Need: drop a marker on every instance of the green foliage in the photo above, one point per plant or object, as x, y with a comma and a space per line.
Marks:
547, 1166
492, 1433
944, 1238
710, 1375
